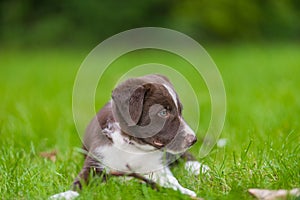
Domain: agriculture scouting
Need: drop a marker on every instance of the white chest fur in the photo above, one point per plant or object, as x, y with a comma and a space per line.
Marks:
129, 156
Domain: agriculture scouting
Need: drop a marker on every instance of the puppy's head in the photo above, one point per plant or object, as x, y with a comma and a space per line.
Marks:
148, 109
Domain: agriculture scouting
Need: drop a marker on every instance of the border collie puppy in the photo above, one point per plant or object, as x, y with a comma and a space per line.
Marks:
138, 133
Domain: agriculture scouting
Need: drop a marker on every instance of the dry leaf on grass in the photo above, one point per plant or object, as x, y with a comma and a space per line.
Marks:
263, 194
49, 155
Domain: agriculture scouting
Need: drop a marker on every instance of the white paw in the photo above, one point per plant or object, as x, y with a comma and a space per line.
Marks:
195, 167
188, 192
67, 195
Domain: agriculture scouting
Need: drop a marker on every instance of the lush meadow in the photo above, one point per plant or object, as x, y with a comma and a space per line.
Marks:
262, 126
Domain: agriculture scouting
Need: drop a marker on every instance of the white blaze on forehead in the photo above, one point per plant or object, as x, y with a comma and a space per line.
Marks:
172, 93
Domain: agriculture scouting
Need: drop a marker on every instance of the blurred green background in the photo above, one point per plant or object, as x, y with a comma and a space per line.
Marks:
57, 23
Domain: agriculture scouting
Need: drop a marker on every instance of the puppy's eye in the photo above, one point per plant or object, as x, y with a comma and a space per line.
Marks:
163, 113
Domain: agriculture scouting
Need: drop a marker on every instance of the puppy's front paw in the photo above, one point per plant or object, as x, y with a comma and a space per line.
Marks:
196, 167
67, 195
188, 192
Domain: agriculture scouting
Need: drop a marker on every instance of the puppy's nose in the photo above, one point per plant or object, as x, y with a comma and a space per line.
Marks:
191, 139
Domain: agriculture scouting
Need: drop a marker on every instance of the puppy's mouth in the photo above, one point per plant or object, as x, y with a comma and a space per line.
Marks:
155, 143
158, 143
166, 147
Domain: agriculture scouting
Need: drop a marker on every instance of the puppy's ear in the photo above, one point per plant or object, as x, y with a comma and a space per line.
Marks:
128, 98
136, 103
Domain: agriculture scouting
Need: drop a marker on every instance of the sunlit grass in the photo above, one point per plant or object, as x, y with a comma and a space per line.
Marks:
262, 125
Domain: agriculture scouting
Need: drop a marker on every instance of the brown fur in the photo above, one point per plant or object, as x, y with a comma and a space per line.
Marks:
137, 96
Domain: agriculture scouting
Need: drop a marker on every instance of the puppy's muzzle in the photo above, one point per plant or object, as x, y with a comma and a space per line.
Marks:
190, 140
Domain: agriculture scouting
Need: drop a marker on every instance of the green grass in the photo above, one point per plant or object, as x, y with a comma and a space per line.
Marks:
262, 125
